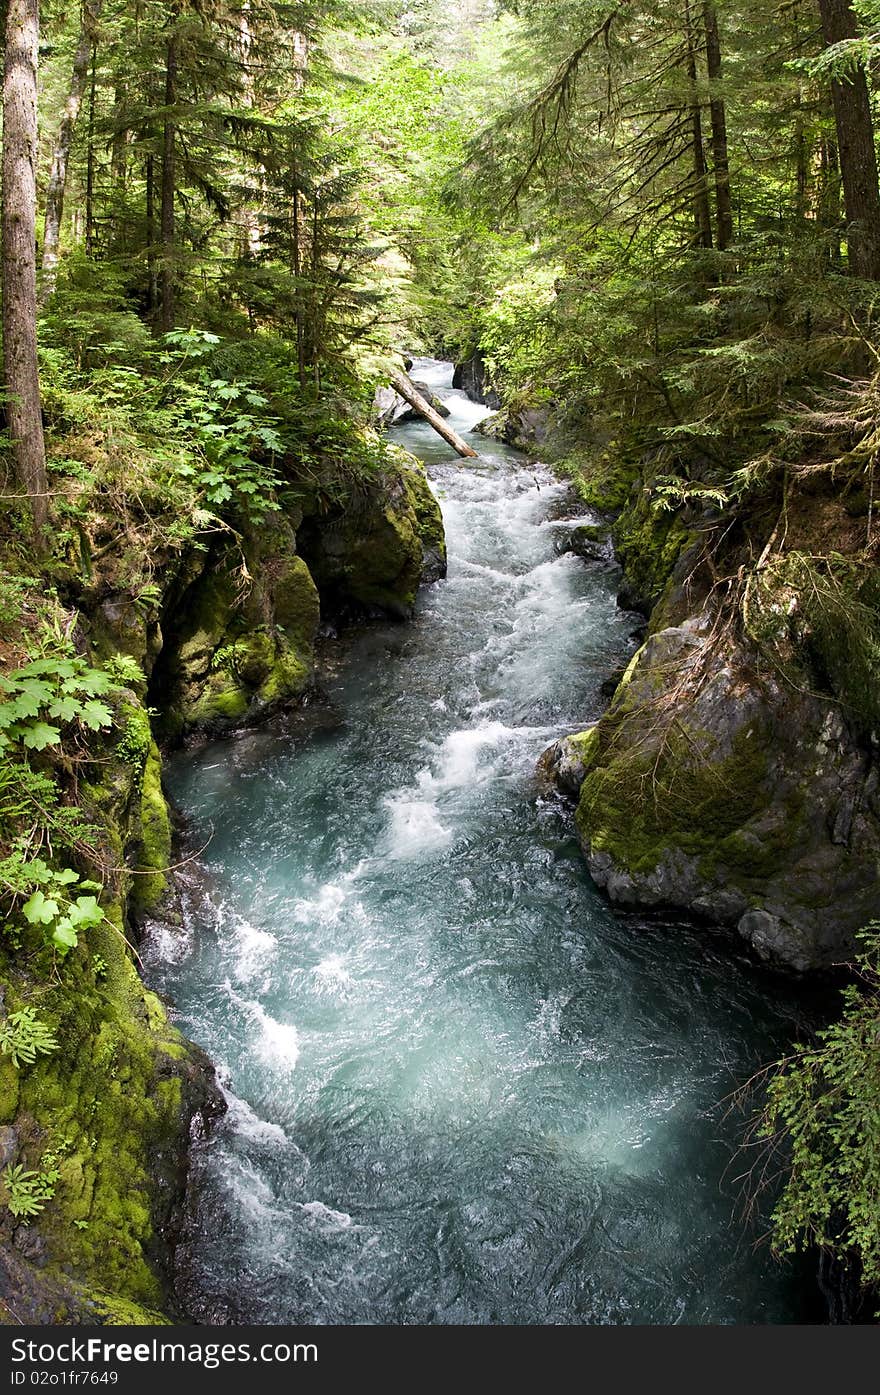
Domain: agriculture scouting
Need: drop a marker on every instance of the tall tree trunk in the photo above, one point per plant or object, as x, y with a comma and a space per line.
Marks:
702, 210
169, 182
801, 171
19, 248
718, 113
300, 59
296, 230
253, 232
855, 142
153, 279
90, 161
61, 151
118, 162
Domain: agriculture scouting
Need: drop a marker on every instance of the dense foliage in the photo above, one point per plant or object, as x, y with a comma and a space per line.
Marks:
642, 217
822, 1114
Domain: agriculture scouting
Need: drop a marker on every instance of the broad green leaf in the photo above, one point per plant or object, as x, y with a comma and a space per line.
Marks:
40, 909
65, 877
32, 695
64, 707
58, 668
85, 912
36, 870
95, 715
92, 682
64, 937
38, 736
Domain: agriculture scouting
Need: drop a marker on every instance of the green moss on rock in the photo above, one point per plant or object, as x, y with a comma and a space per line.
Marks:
113, 1104
296, 603
241, 638
603, 477
638, 804
648, 542
154, 853
373, 553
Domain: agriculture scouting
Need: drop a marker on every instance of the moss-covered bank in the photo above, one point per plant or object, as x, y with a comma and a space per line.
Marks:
734, 775
106, 1120
113, 1109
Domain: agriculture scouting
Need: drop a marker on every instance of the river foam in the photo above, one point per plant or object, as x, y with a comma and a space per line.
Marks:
462, 1089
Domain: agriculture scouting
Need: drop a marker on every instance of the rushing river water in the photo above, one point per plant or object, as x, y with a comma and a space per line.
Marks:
461, 1088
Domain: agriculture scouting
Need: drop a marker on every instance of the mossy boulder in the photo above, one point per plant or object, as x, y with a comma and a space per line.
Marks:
371, 554
710, 787
111, 1111
566, 762
602, 474
239, 638
648, 542
524, 424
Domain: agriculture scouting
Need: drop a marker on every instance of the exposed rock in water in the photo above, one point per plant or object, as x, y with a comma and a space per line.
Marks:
390, 409
524, 428
372, 558
592, 541
471, 377
709, 786
410, 414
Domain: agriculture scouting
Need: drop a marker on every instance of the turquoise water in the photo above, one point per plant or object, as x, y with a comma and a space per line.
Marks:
461, 1088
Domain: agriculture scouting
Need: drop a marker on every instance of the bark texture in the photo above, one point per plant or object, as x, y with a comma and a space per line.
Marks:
855, 143
19, 254
718, 115
169, 182
702, 211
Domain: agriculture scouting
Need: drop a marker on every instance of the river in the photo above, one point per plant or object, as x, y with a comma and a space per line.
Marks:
462, 1089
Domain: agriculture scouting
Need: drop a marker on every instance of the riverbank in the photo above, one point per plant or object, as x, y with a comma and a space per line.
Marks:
100, 1096
461, 1088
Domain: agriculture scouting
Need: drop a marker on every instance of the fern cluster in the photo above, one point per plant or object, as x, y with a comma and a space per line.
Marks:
24, 1036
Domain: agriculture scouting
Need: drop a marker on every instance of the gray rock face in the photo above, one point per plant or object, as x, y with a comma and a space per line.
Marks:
410, 414
776, 940
471, 378
592, 541
9, 1145
713, 788
564, 765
